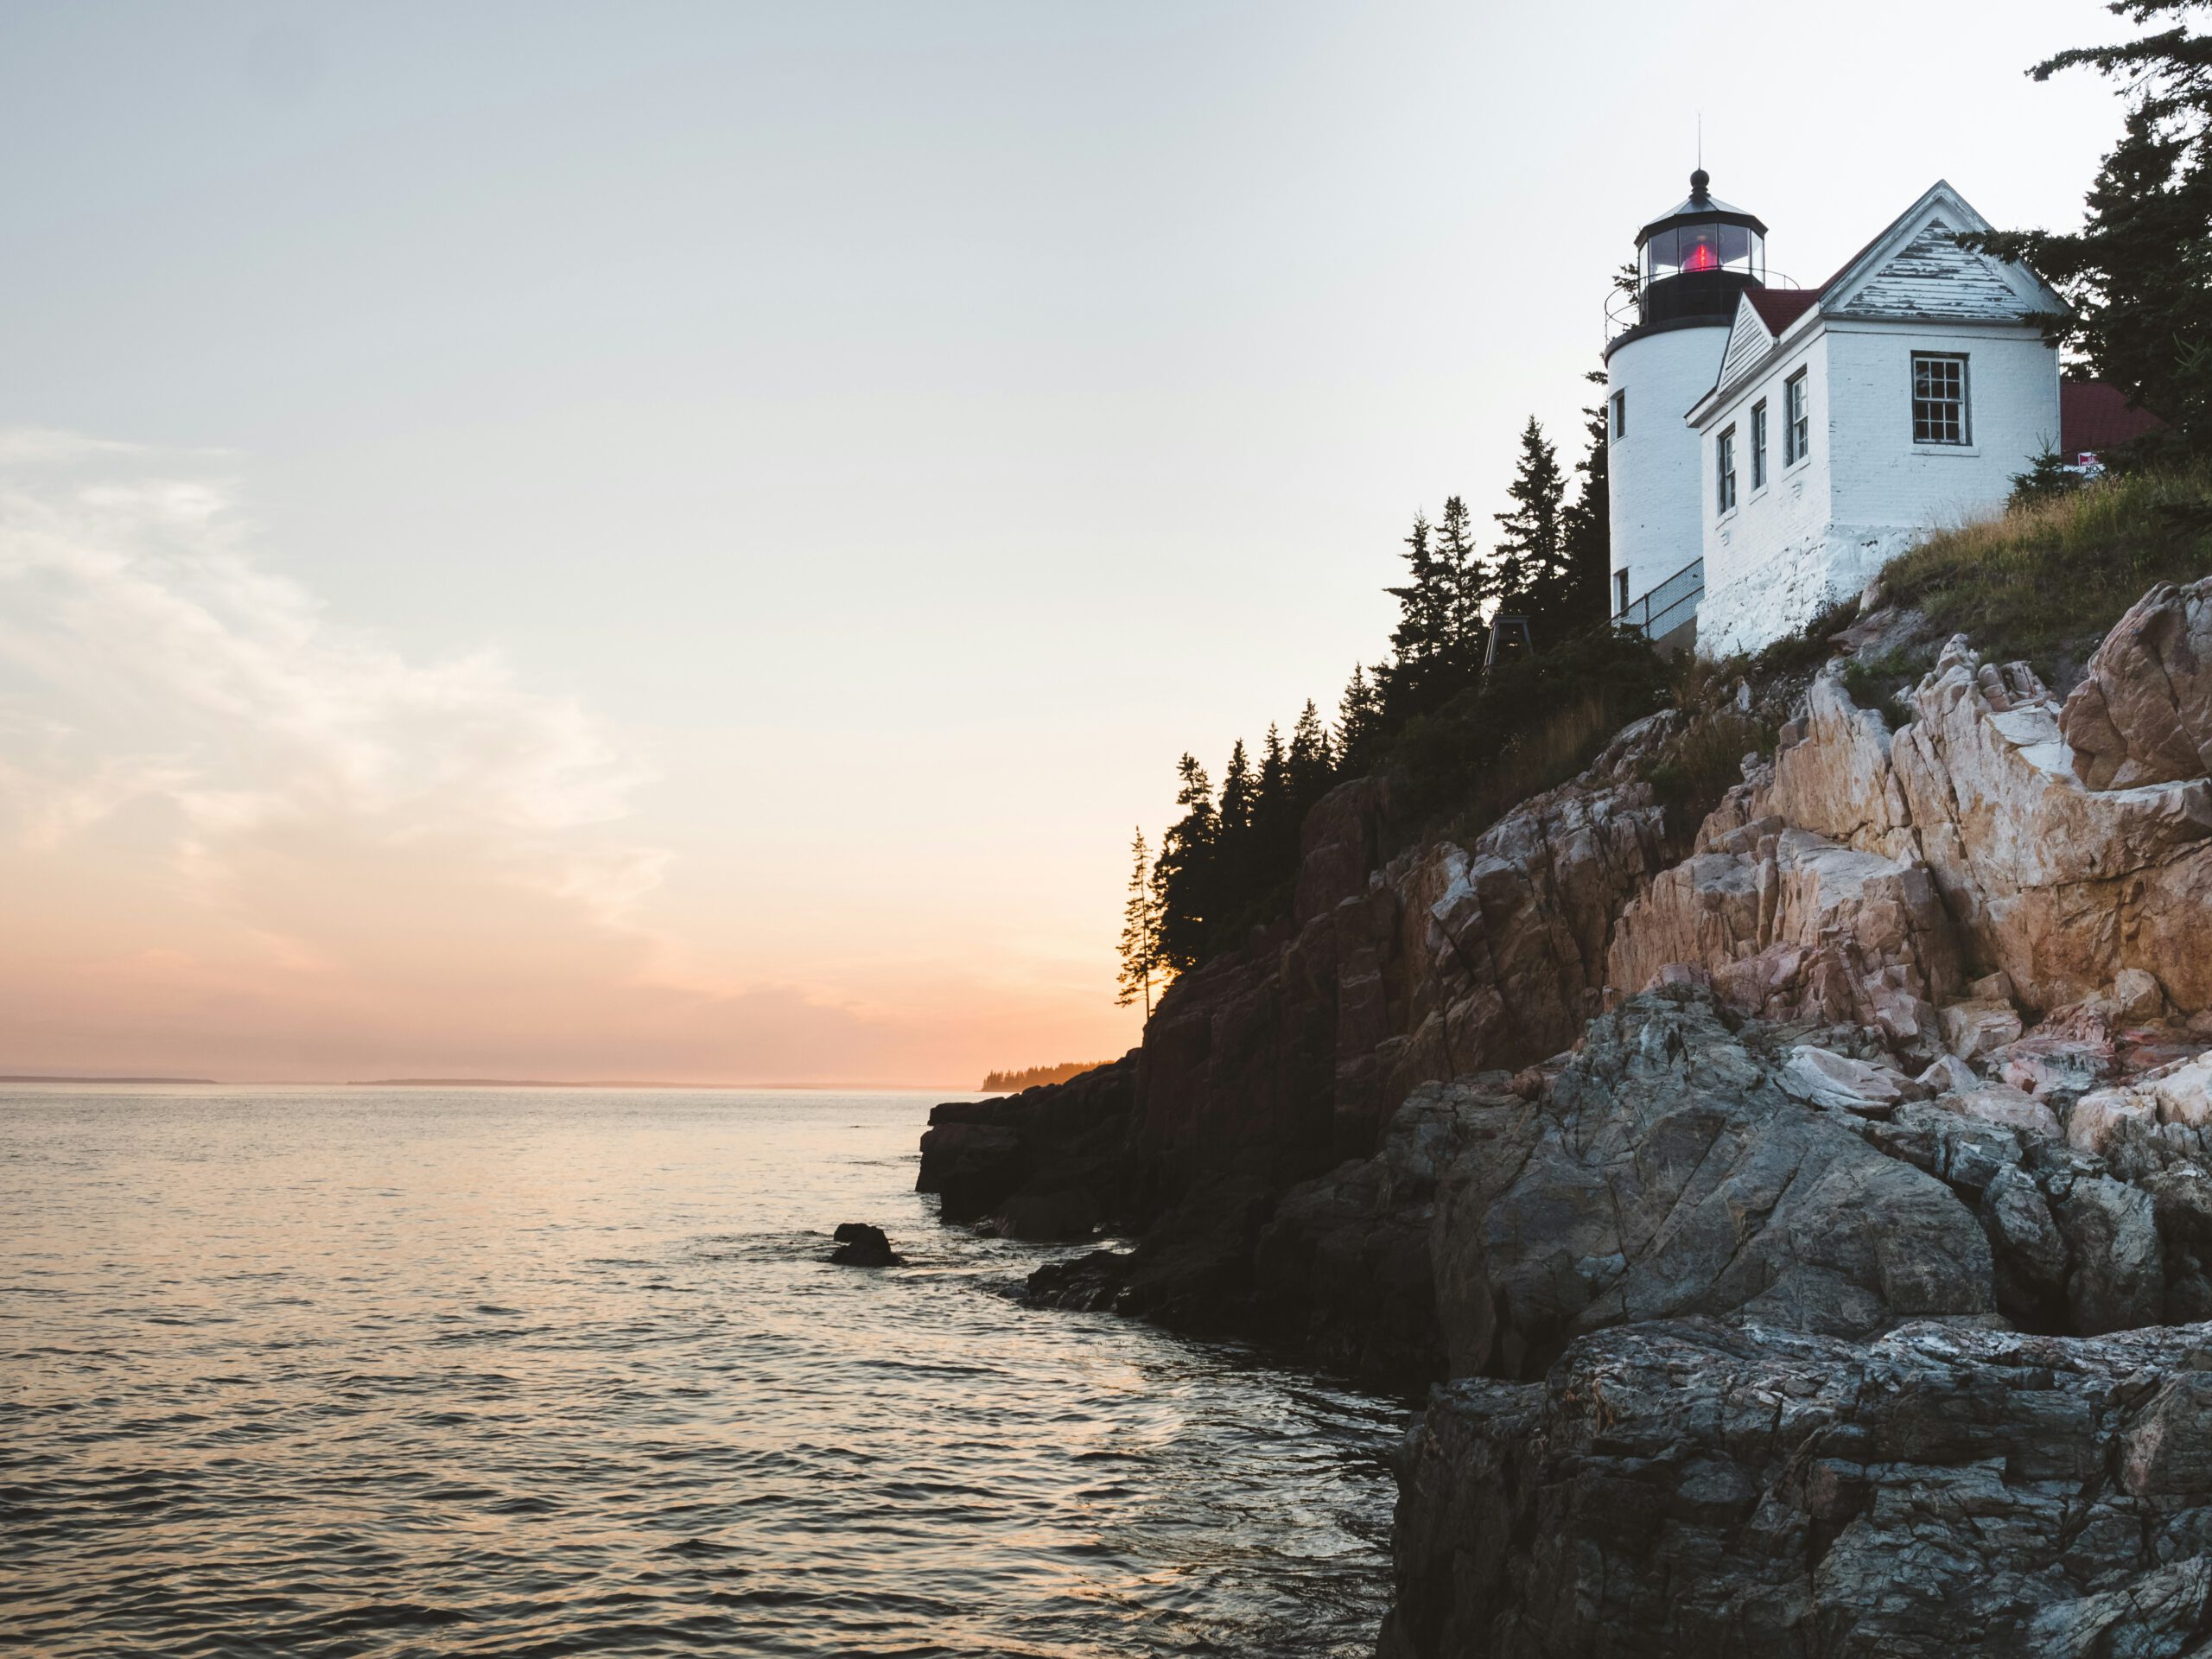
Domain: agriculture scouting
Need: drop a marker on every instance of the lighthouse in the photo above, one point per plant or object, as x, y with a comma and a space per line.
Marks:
1692, 265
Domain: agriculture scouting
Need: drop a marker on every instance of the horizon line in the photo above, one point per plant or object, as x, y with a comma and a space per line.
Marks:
474, 1083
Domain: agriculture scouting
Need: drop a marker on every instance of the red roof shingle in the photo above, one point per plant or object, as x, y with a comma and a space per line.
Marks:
1780, 307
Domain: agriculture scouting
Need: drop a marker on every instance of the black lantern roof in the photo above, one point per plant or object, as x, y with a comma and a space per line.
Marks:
1701, 207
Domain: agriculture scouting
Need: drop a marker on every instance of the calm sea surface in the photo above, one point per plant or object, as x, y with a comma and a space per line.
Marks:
359, 1372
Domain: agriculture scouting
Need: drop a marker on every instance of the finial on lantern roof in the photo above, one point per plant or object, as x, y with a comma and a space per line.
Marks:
1699, 180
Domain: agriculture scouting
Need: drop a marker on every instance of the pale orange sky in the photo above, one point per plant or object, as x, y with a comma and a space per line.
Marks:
676, 541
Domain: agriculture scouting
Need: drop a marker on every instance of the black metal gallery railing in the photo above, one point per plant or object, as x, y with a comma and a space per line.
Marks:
1666, 607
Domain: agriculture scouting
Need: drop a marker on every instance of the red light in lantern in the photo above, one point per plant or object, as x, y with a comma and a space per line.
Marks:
1702, 258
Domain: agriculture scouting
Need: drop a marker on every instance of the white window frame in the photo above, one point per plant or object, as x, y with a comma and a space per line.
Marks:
1797, 419
1619, 401
1723, 472
1759, 446
1926, 425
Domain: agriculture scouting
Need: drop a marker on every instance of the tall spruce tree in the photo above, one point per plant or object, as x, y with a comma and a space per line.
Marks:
1235, 813
1359, 723
1313, 764
1529, 570
1183, 874
1464, 579
2138, 272
1139, 948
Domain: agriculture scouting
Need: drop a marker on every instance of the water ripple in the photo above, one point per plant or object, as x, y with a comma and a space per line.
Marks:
350, 1372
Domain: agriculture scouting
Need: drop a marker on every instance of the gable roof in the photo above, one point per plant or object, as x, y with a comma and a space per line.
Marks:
1913, 270
1778, 308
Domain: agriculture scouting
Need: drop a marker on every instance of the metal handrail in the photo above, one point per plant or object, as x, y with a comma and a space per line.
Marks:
1661, 610
1624, 306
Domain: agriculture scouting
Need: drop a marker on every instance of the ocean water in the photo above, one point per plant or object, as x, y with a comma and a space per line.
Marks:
348, 1371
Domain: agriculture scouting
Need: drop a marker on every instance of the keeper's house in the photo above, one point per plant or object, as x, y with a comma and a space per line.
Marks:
1772, 447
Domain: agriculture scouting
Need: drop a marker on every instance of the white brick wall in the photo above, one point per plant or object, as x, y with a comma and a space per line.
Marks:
1654, 470
1866, 492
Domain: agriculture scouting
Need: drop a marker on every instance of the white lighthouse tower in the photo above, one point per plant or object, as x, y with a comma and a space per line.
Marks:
1693, 264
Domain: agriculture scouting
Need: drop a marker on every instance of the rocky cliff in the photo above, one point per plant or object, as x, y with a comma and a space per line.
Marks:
1670, 1147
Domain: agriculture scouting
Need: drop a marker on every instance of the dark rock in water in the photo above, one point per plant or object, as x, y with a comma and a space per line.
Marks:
860, 1245
1684, 1487
1084, 1283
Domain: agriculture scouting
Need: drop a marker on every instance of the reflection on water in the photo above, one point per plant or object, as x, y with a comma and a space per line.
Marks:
330, 1372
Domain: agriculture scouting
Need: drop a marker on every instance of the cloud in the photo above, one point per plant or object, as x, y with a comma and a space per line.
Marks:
150, 659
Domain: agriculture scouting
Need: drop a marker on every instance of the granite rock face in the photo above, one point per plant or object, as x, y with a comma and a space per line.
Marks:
2144, 715
1671, 1168
2062, 886
1685, 1487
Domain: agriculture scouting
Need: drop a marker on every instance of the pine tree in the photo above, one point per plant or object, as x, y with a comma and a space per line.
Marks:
1530, 563
1464, 580
1424, 604
1274, 815
1311, 764
1359, 722
1235, 813
1140, 946
1586, 528
1183, 875
2139, 273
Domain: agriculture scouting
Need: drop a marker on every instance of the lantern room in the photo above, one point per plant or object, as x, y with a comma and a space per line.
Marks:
1694, 260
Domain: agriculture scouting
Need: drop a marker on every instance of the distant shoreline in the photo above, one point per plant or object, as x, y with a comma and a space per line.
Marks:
32, 1077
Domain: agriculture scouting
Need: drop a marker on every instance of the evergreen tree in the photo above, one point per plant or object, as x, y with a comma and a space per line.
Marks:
1311, 764
1424, 606
1466, 585
1587, 527
1139, 948
1359, 722
2139, 273
1529, 575
1274, 815
1183, 874
1235, 813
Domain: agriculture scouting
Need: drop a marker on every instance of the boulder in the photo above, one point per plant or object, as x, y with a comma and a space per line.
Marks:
2143, 714
2138, 995
2027, 1250
1685, 1487
860, 1245
1977, 1029
2008, 1108
1822, 1077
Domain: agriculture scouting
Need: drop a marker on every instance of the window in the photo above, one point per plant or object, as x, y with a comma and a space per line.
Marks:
1620, 414
1759, 444
1620, 592
1939, 399
1725, 462
1797, 421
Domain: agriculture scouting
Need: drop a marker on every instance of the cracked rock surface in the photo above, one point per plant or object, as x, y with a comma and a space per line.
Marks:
1685, 1487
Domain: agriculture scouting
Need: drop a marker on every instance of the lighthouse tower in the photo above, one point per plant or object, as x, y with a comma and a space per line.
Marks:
1692, 265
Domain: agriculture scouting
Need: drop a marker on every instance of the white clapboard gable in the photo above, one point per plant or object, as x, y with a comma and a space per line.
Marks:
1748, 342
1916, 269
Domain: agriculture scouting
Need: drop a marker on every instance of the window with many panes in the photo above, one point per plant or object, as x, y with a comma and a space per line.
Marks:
1796, 421
1939, 399
1759, 444
1620, 414
1724, 456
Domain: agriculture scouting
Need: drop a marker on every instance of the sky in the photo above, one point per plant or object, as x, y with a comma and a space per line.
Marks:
679, 540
